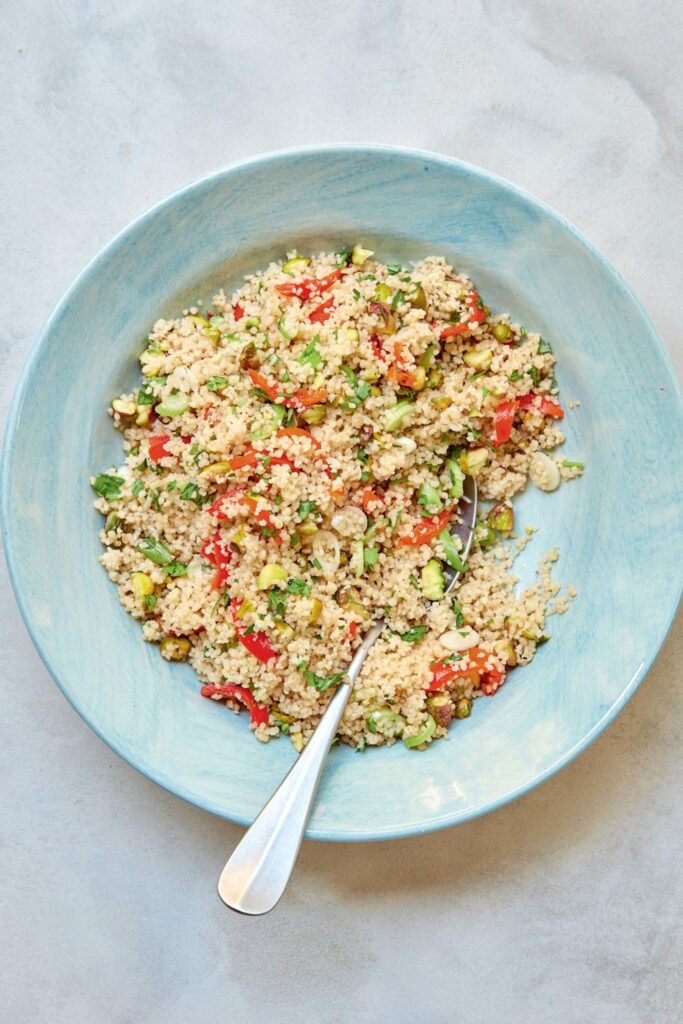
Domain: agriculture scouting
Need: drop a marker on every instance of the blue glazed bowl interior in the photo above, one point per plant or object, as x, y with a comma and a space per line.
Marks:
616, 528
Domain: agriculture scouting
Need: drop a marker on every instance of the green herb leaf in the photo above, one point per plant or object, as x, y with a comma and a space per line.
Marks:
572, 465
311, 355
217, 383
514, 376
534, 374
191, 492
155, 550
543, 347
457, 611
414, 634
150, 601
108, 486
398, 298
146, 395
175, 569
305, 509
394, 268
299, 587
277, 602
322, 683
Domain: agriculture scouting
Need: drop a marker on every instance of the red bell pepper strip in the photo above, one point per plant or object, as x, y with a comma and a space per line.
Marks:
322, 312
300, 399
237, 494
257, 712
257, 644
310, 286
453, 330
368, 498
215, 552
426, 530
476, 307
503, 419
232, 494
238, 311
485, 669
298, 432
353, 628
403, 378
545, 406
157, 447
249, 458
305, 397
262, 382
377, 347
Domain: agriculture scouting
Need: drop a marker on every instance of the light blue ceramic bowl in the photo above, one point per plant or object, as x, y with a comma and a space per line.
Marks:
618, 529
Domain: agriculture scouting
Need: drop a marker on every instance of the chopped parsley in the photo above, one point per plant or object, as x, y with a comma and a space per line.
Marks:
394, 268
175, 569
457, 611
534, 374
414, 634
277, 602
414, 581
543, 347
311, 354
299, 587
108, 486
514, 376
146, 395
150, 601
305, 509
136, 488
321, 683
572, 465
398, 298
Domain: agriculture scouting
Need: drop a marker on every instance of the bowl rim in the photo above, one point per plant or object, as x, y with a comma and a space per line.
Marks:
12, 422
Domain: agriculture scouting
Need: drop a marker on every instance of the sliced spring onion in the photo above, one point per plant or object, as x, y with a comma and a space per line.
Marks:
456, 478
271, 574
425, 733
429, 499
386, 721
326, 550
357, 562
288, 331
395, 417
174, 405
451, 551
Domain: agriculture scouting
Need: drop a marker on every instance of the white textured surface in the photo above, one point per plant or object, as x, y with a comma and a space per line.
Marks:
562, 908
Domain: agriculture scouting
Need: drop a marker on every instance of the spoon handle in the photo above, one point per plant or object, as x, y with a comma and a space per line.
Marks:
256, 875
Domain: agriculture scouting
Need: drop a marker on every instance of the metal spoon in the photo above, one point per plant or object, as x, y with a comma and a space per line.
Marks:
256, 875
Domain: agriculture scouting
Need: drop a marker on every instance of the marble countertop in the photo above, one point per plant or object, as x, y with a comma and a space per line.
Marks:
563, 908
